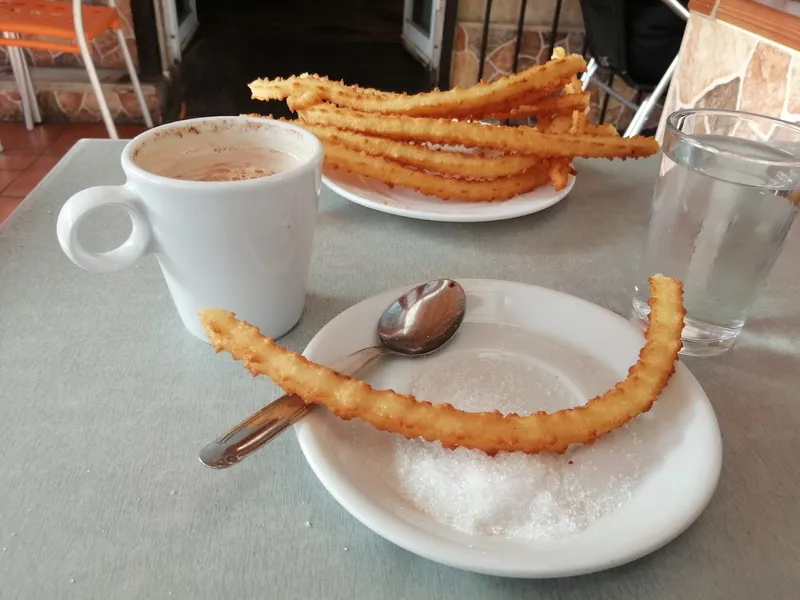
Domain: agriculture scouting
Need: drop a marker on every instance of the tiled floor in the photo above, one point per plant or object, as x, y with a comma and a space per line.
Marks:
28, 155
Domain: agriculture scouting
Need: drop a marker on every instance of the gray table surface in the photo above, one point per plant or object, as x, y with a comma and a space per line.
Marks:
105, 400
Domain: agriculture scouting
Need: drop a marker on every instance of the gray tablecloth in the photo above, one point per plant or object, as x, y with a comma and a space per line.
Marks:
105, 401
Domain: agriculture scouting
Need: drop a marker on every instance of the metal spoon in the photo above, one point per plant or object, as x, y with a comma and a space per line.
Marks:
419, 322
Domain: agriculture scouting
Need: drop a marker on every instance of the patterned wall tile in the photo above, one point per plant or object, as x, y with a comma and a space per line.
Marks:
10, 104
724, 95
764, 84
501, 44
702, 64
64, 106
793, 101
506, 12
722, 66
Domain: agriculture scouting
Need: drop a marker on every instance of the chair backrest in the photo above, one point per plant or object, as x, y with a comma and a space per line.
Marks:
77, 15
605, 27
634, 39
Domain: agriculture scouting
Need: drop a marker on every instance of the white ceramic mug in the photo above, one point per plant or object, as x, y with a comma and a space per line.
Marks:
243, 246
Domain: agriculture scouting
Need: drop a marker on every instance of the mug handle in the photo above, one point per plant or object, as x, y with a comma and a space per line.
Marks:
77, 208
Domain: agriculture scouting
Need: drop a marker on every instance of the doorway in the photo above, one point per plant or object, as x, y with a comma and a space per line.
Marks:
423, 30
179, 20
393, 45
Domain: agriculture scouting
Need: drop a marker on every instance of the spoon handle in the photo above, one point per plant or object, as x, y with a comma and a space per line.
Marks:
265, 425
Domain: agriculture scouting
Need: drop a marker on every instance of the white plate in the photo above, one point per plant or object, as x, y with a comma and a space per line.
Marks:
408, 203
553, 350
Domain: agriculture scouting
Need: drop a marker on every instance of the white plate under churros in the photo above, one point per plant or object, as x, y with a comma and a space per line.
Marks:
404, 202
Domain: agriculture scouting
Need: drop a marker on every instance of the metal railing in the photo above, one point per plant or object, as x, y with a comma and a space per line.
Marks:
641, 110
487, 20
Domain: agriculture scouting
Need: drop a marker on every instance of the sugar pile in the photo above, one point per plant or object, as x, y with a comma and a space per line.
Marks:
514, 495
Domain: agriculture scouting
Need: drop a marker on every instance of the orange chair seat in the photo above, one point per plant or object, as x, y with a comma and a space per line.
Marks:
53, 20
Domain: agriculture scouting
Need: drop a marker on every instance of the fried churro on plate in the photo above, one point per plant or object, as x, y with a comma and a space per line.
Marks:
449, 144
490, 432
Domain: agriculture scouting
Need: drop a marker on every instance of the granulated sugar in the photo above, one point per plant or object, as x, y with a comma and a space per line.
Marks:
515, 495
518, 496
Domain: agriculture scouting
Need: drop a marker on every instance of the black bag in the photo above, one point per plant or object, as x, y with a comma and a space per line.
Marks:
635, 39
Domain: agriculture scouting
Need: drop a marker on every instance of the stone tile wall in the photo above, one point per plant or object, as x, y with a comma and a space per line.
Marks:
76, 103
533, 48
506, 12
723, 66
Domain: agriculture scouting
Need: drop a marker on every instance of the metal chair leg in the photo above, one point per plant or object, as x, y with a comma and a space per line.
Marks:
137, 86
604, 107
22, 85
678, 8
32, 100
591, 69
80, 38
36, 112
641, 116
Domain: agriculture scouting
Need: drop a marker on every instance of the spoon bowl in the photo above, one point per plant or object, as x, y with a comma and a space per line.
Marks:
424, 319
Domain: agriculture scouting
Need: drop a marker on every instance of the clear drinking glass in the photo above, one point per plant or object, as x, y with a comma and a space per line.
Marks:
724, 201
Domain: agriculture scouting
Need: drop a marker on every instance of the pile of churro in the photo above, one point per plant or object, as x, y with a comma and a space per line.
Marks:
449, 144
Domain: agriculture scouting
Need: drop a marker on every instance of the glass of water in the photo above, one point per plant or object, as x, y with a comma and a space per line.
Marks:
724, 201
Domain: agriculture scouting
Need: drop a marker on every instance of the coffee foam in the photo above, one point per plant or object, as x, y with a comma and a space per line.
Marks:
224, 164
220, 149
